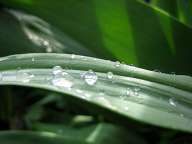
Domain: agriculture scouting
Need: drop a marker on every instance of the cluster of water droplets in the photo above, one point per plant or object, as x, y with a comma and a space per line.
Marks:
131, 92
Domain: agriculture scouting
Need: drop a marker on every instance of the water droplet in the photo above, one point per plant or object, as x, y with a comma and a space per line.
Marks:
61, 78
72, 56
45, 43
79, 91
109, 75
181, 115
57, 70
33, 59
173, 76
117, 64
126, 108
90, 77
87, 95
61, 81
24, 76
1, 76
49, 49
128, 92
172, 102
173, 73
136, 91
156, 70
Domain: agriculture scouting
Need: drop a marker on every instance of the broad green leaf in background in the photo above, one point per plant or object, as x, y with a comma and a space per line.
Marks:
95, 133
128, 30
117, 91
181, 9
18, 137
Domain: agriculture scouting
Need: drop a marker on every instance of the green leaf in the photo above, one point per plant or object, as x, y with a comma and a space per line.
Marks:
127, 30
181, 9
93, 133
131, 93
26, 137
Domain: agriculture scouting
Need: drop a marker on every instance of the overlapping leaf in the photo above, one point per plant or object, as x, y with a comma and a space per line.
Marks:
127, 30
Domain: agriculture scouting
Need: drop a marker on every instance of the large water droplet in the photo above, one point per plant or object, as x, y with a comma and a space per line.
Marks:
90, 77
57, 70
172, 102
61, 78
109, 75
24, 76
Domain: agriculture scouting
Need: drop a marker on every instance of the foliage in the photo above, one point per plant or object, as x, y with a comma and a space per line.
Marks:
78, 97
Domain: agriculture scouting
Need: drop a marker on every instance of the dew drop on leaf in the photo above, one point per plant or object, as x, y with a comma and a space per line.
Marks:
24, 76
33, 59
61, 81
109, 75
1, 76
57, 70
126, 108
172, 102
136, 91
72, 56
117, 64
61, 78
90, 77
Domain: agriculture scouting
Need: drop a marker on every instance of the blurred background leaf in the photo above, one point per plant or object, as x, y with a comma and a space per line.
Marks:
180, 9
126, 30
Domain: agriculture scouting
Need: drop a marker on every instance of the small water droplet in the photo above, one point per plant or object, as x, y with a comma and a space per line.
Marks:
126, 108
136, 91
172, 102
24, 76
45, 43
72, 56
33, 59
1, 76
128, 92
173, 73
181, 115
90, 77
87, 95
79, 91
173, 76
57, 70
109, 75
117, 64
156, 70
49, 49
